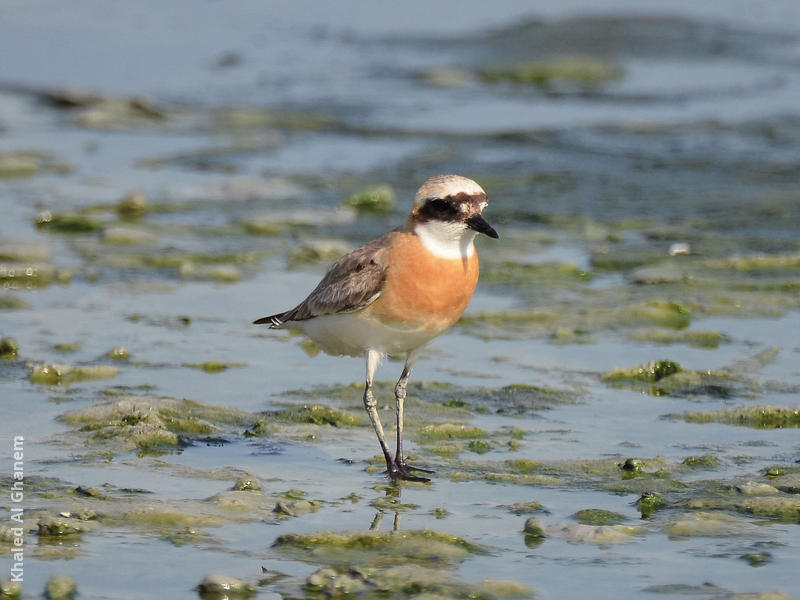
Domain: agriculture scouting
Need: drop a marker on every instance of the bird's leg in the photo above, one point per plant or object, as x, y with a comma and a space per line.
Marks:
376, 522
400, 395
373, 359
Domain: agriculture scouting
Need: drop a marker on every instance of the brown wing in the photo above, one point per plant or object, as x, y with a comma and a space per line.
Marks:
353, 282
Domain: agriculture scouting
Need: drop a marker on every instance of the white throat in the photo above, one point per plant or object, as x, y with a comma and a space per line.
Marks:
446, 240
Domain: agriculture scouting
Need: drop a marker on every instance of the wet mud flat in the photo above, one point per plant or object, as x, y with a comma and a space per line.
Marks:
618, 409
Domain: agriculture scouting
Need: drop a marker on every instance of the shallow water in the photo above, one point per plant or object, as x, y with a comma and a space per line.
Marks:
246, 128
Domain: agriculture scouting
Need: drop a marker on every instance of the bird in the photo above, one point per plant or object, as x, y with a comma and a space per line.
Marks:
398, 292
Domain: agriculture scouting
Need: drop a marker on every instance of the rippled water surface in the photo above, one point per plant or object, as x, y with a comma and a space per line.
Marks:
616, 413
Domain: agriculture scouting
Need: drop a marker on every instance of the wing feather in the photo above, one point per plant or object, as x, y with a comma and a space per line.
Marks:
353, 282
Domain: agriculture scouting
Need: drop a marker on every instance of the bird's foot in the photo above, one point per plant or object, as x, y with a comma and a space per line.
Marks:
404, 472
403, 464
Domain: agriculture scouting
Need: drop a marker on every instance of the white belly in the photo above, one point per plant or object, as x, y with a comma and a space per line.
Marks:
355, 333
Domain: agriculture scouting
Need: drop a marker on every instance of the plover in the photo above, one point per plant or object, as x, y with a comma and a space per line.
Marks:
398, 292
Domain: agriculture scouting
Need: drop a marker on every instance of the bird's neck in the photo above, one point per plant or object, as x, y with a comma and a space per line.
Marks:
446, 240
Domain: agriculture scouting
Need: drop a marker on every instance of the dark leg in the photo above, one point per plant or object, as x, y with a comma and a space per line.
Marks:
373, 358
400, 395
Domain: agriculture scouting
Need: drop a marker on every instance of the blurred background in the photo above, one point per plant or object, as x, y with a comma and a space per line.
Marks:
170, 171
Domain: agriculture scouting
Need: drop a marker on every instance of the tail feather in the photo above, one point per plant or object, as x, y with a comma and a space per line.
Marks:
274, 321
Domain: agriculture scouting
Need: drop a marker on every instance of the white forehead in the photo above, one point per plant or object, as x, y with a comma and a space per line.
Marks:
442, 186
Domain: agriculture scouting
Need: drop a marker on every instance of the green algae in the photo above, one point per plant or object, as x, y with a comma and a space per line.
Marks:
247, 484
117, 113
91, 492
785, 482
378, 548
127, 236
67, 347
27, 163
60, 587
331, 583
587, 312
649, 373
234, 118
60, 527
657, 312
524, 466
119, 353
223, 587
632, 466
625, 257
26, 275
755, 488
377, 199
440, 512
697, 339
666, 377
508, 319
455, 403
220, 273
9, 347
18, 165
750, 498
54, 374
479, 446
407, 581
515, 478
448, 431
9, 302
448, 451
178, 259
147, 423
599, 516
436, 401
159, 518
70, 223
513, 472
523, 508
583, 72
133, 205
10, 590
526, 275
259, 428
294, 508
757, 559
265, 226
534, 527
445, 77
706, 461
774, 471
393, 504
24, 251
243, 505
316, 414
187, 536
709, 524
317, 251
650, 502
758, 417
756, 263
213, 366
595, 534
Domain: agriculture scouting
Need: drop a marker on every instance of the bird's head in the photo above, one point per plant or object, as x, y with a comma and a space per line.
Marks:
448, 213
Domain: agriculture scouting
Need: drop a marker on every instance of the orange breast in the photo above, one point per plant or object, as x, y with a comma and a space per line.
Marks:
423, 290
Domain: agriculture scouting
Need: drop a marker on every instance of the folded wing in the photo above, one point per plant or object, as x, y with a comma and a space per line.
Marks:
353, 282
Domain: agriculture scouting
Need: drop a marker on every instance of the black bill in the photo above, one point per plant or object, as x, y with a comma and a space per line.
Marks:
477, 223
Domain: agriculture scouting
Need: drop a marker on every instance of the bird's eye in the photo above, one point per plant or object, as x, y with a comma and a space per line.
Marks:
440, 206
